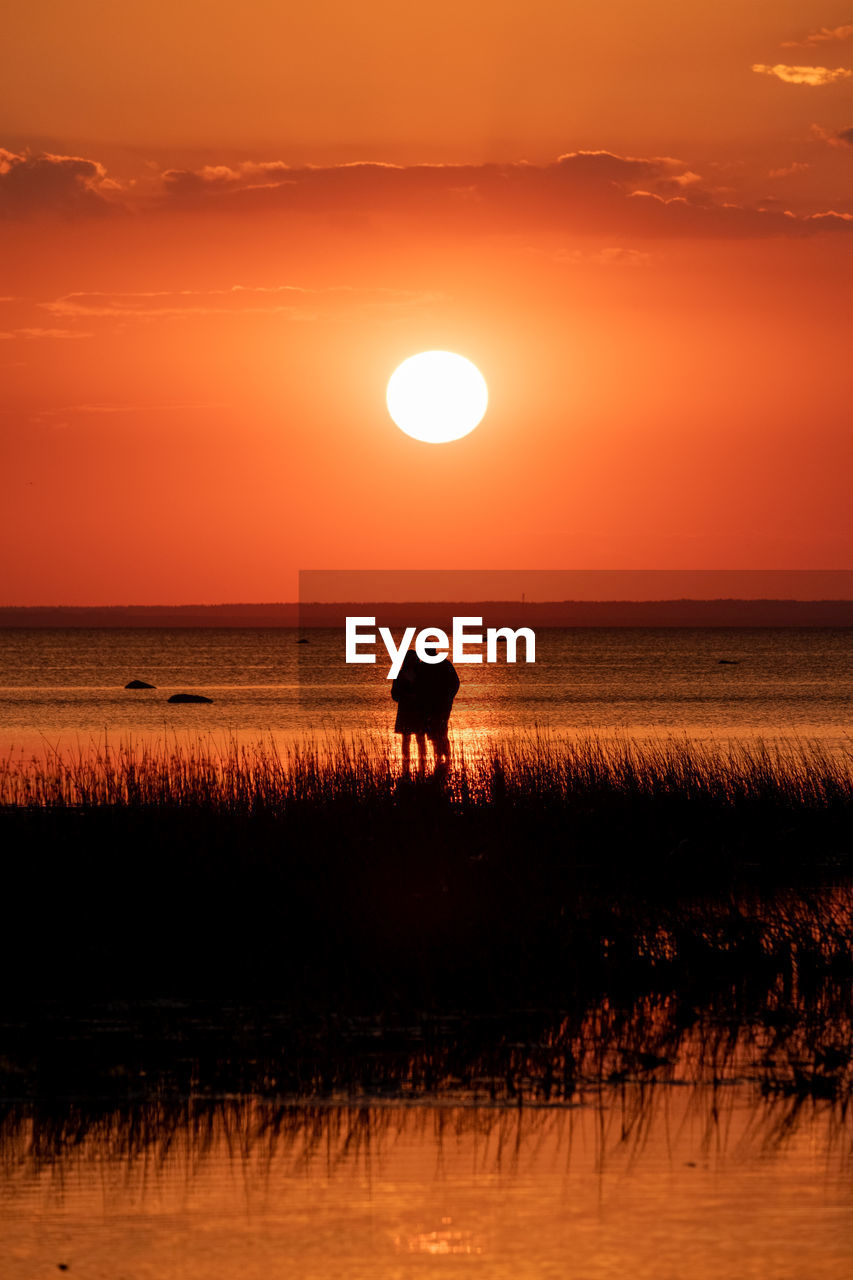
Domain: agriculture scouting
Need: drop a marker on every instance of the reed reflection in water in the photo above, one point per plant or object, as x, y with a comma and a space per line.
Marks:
638, 1180
722, 1148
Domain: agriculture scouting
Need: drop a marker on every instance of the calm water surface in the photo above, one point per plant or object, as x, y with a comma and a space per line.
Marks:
63, 686
688, 1182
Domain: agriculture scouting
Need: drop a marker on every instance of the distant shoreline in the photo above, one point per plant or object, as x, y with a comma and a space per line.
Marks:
730, 613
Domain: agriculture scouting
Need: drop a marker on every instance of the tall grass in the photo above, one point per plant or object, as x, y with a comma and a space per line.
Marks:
532, 869
232, 777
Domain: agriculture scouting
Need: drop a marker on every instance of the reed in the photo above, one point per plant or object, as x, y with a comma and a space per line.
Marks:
534, 869
233, 777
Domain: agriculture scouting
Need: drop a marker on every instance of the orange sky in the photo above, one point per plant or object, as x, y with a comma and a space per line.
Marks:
220, 238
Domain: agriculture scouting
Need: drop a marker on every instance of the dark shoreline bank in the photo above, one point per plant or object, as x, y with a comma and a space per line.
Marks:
336, 877
226, 924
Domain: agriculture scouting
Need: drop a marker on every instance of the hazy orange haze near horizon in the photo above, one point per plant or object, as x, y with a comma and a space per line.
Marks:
223, 230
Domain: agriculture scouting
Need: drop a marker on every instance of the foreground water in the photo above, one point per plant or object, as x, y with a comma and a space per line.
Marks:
63, 687
655, 1139
658, 1182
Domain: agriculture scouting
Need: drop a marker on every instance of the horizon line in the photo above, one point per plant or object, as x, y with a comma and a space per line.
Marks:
515, 601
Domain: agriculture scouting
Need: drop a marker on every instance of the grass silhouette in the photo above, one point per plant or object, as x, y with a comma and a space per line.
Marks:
533, 870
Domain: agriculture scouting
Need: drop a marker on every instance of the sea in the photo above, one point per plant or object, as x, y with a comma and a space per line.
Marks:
662, 1184
65, 688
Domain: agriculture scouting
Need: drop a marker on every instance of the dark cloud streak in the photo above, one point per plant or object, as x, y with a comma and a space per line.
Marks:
826, 35
33, 185
587, 192
584, 191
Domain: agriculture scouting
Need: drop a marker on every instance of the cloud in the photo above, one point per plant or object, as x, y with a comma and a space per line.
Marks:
804, 75
788, 171
605, 166
678, 217
826, 35
612, 256
595, 193
50, 184
250, 175
831, 217
586, 192
365, 188
294, 301
833, 137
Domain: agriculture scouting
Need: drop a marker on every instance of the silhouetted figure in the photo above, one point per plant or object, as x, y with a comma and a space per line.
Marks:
439, 684
411, 714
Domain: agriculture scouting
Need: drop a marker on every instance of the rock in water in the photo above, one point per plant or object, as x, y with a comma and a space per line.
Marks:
188, 697
139, 684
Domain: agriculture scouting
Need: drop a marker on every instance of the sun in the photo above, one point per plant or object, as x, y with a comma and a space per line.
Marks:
437, 396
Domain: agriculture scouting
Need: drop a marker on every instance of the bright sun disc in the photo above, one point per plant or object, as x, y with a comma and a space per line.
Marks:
437, 396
